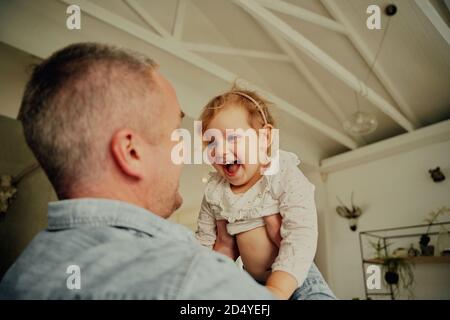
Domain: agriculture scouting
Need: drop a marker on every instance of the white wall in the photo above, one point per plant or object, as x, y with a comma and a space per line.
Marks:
395, 191
14, 72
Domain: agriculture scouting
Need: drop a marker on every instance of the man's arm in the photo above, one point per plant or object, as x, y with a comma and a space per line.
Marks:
225, 243
212, 276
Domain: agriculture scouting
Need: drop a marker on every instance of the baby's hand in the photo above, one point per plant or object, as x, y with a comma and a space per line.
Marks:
281, 284
273, 225
225, 243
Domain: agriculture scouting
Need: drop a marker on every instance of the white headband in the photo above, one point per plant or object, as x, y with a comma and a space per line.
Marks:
255, 102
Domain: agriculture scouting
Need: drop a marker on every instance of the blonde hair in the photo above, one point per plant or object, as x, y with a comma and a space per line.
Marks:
256, 106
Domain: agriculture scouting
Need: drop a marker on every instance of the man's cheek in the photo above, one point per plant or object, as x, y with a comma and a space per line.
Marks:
178, 201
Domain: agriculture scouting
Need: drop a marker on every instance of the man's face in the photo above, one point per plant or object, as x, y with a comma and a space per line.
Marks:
163, 175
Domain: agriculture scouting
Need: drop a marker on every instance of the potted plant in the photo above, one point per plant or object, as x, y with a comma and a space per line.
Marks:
398, 271
428, 250
379, 248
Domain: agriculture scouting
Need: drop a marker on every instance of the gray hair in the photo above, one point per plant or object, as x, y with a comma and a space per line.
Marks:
75, 101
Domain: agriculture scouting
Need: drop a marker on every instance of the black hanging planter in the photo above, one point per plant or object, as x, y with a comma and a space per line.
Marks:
391, 277
398, 270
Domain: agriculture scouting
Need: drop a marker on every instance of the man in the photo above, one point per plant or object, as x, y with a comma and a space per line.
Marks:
99, 121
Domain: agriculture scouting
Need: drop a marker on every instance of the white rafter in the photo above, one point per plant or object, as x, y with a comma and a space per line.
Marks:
198, 47
152, 22
303, 14
306, 73
209, 48
315, 83
314, 52
174, 48
430, 11
368, 56
179, 19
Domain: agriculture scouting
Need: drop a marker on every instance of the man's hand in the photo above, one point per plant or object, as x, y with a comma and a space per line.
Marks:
225, 243
273, 225
281, 284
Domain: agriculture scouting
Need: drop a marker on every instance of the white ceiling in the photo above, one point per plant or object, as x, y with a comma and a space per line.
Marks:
414, 57
412, 70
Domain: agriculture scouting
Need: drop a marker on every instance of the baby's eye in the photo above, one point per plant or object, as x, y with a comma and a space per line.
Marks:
233, 138
212, 144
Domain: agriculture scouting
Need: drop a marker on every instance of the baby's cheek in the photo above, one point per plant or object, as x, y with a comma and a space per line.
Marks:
217, 167
251, 169
247, 152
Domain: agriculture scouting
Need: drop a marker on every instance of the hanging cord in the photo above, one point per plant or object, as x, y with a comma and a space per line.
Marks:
379, 49
362, 85
28, 170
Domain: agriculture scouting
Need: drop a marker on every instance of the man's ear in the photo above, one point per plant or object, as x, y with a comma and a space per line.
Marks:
127, 151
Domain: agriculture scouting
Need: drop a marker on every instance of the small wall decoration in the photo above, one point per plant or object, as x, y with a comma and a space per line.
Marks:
7, 192
8, 187
436, 174
351, 213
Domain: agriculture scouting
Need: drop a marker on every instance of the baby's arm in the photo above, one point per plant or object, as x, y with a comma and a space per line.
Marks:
206, 232
213, 234
281, 284
298, 233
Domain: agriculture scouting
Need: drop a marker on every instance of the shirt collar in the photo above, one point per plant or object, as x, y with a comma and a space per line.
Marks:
74, 213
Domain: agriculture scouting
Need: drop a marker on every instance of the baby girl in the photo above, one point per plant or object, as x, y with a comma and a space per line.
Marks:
265, 216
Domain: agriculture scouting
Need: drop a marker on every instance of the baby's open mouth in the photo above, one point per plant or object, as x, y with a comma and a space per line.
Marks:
231, 168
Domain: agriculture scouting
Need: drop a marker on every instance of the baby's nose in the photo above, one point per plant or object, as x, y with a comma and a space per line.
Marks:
223, 156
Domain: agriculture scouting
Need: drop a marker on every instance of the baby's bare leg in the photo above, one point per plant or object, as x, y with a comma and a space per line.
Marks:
225, 243
273, 225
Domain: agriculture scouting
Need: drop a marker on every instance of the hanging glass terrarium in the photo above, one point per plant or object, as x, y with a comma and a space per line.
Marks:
360, 123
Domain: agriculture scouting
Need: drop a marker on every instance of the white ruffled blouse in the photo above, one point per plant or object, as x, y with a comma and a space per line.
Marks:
282, 189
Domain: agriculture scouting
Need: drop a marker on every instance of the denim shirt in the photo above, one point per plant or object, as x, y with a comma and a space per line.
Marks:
121, 252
